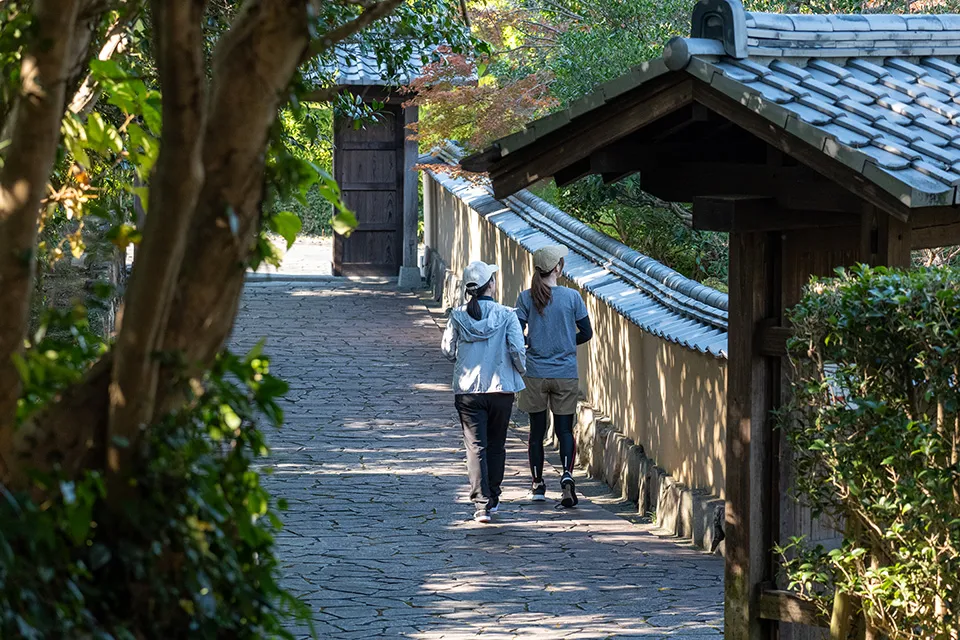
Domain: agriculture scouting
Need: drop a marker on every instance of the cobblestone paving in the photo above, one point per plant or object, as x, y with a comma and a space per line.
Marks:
379, 540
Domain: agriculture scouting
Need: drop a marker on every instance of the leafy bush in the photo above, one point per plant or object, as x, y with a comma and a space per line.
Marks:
189, 553
874, 426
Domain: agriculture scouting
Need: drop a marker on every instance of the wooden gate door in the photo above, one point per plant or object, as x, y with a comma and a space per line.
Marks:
368, 166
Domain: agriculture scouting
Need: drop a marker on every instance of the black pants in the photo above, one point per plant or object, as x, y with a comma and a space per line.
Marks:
563, 426
485, 417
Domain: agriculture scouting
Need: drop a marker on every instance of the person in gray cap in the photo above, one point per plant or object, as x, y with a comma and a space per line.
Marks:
556, 321
485, 341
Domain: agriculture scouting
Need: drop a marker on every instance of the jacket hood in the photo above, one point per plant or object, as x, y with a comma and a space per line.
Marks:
495, 318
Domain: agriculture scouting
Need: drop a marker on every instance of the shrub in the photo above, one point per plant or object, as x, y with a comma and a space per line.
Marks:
188, 553
874, 428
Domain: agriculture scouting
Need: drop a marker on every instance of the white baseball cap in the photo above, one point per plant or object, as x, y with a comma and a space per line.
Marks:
477, 274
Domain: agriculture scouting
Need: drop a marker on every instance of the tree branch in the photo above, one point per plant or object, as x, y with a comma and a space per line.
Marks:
35, 132
352, 27
265, 44
85, 98
175, 187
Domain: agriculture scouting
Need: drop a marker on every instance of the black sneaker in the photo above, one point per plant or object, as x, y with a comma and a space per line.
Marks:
539, 491
493, 506
568, 489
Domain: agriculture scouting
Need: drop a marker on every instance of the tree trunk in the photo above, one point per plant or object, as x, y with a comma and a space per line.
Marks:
35, 132
175, 187
252, 68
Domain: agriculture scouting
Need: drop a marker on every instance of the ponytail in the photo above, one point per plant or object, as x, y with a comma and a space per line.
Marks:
474, 310
540, 291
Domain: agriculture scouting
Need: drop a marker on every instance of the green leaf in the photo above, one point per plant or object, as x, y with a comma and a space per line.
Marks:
287, 224
344, 223
96, 131
123, 235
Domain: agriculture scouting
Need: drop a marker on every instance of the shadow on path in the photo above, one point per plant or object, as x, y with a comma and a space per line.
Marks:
379, 540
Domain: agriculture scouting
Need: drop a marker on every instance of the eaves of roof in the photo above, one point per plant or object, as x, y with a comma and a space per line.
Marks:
878, 93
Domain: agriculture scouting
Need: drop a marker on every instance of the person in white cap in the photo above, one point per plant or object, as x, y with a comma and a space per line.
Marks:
485, 341
556, 321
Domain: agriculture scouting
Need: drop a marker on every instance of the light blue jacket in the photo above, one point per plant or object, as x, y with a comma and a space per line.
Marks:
489, 353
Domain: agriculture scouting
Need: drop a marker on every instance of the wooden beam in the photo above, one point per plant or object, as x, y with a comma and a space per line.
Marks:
771, 339
577, 141
789, 607
935, 228
751, 382
569, 175
759, 213
801, 150
793, 187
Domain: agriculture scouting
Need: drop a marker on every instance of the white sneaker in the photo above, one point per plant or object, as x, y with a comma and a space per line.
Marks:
481, 515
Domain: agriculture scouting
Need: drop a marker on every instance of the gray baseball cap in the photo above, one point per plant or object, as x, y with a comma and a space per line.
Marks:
547, 258
478, 274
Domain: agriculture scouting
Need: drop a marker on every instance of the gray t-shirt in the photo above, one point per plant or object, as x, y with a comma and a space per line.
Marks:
552, 350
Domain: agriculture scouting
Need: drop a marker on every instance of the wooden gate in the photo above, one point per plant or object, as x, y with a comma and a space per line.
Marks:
368, 166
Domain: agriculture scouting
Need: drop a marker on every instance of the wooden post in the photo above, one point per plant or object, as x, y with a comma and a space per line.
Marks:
409, 277
751, 382
894, 241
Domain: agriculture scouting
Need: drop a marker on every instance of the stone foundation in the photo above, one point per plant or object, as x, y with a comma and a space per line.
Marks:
689, 514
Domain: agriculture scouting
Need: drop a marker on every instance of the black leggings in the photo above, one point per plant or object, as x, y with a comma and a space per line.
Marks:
563, 425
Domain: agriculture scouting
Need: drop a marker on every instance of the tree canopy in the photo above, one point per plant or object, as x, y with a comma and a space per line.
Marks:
156, 124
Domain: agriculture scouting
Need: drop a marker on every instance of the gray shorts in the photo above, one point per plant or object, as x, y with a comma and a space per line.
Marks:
560, 395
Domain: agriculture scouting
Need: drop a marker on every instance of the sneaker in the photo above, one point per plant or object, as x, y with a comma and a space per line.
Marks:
539, 491
481, 515
568, 489
493, 506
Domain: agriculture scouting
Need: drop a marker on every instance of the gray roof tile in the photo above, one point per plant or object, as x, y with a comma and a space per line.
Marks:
736, 72
854, 135
935, 172
774, 21
810, 22
769, 92
830, 68
808, 115
849, 23
928, 124
824, 91
868, 67
795, 73
353, 65
923, 23
880, 22
946, 155
786, 84
942, 66
880, 93
823, 107
852, 123
903, 133
885, 159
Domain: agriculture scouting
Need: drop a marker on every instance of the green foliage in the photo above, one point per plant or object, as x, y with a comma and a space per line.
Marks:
188, 554
657, 229
306, 132
603, 40
874, 425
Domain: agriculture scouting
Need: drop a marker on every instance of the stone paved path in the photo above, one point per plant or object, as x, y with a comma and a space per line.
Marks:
379, 540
